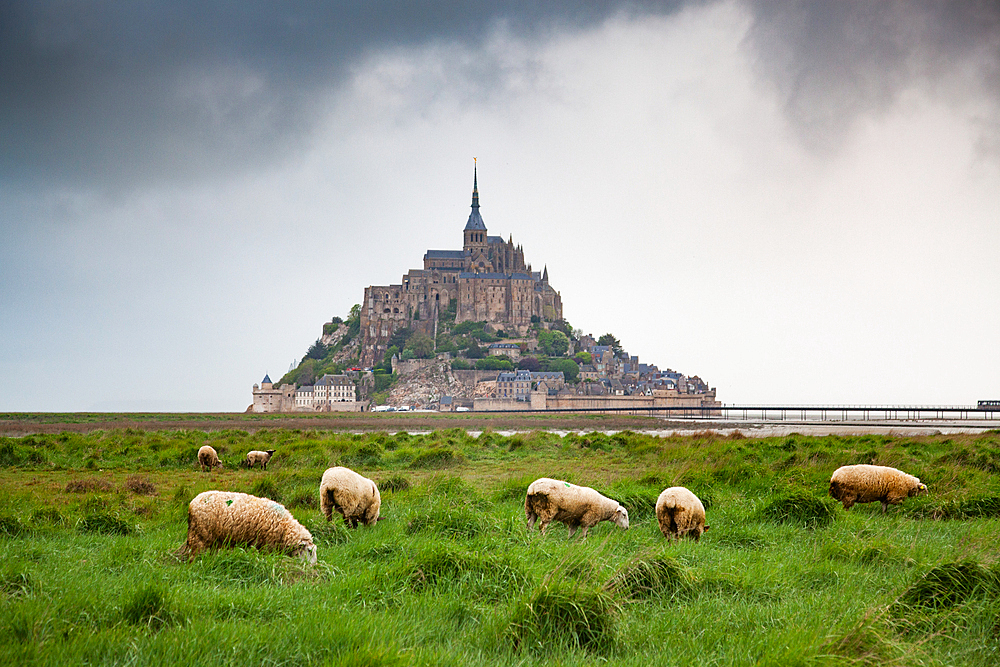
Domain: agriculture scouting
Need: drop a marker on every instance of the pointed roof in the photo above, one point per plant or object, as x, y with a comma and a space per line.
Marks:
266, 378
475, 220
545, 274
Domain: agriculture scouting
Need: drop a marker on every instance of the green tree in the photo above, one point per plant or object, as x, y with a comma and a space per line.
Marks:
316, 351
474, 352
610, 341
584, 357
421, 345
529, 364
460, 365
569, 368
399, 337
306, 374
564, 326
559, 343
545, 343
494, 364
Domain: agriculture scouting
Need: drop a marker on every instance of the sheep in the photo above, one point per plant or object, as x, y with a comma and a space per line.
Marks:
576, 506
257, 456
355, 497
208, 458
680, 513
222, 518
867, 483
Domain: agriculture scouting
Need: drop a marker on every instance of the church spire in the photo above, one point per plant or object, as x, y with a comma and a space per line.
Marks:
475, 184
545, 274
475, 222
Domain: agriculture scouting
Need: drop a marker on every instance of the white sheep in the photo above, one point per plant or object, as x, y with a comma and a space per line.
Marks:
576, 506
680, 513
257, 456
208, 458
222, 518
868, 483
354, 496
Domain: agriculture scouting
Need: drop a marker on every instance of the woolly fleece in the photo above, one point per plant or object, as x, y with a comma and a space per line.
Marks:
868, 483
354, 496
576, 506
680, 513
221, 518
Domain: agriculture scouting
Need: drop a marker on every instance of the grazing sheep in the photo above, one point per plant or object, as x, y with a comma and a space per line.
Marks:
555, 500
867, 483
680, 513
222, 518
257, 456
355, 497
208, 458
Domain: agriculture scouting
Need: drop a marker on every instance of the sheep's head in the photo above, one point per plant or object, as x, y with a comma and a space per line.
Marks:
270, 452
620, 517
307, 552
918, 489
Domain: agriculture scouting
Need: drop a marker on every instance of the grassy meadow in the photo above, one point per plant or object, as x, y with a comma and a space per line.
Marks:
89, 523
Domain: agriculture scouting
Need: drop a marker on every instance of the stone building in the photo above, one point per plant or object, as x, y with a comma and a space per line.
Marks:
487, 280
326, 394
268, 399
331, 393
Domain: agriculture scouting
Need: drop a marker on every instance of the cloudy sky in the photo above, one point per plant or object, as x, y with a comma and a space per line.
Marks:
799, 202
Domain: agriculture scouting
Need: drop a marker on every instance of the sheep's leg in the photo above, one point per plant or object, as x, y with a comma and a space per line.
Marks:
544, 525
885, 506
572, 529
583, 534
531, 521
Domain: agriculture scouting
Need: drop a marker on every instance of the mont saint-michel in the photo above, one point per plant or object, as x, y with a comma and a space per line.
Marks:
475, 328
488, 279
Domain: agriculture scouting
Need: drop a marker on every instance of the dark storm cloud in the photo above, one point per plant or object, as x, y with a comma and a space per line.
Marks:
833, 61
107, 91
118, 93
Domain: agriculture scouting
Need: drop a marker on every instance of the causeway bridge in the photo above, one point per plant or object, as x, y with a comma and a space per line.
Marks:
814, 413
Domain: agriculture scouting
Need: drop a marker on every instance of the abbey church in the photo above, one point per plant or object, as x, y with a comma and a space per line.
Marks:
487, 280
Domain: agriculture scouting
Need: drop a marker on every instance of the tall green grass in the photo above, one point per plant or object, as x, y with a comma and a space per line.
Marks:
89, 524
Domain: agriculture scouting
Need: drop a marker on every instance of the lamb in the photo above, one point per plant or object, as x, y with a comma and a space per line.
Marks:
555, 500
222, 518
867, 483
680, 513
208, 458
257, 456
355, 497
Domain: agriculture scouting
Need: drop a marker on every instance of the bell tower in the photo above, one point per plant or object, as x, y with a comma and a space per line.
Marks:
475, 244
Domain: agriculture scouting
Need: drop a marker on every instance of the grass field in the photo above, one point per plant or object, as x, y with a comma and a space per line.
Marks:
89, 523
